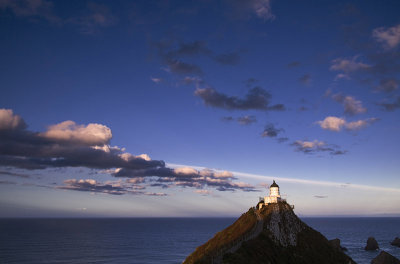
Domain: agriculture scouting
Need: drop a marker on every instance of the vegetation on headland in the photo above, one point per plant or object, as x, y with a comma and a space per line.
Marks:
206, 252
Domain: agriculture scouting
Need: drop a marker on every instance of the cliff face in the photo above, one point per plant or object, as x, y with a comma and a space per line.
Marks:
276, 235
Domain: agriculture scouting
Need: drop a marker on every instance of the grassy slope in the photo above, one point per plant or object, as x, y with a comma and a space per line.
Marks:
204, 253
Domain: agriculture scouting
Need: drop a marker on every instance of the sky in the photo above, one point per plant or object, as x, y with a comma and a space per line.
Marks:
192, 108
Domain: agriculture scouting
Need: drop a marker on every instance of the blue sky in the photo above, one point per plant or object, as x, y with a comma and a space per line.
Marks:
191, 108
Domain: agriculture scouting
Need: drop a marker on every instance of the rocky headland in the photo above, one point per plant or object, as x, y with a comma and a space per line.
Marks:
273, 235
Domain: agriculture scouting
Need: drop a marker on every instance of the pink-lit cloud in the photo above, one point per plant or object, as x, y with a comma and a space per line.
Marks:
336, 124
388, 37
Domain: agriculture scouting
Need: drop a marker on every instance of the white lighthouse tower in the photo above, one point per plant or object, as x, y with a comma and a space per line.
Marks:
274, 196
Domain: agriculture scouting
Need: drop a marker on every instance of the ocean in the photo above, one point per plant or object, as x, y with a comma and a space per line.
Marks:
159, 240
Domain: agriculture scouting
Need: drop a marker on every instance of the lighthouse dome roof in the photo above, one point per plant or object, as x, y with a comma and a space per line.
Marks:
274, 184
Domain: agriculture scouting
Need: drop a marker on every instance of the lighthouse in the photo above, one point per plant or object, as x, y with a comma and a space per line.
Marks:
274, 196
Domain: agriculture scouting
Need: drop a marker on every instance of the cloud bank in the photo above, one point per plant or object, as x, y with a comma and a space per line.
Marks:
68, 144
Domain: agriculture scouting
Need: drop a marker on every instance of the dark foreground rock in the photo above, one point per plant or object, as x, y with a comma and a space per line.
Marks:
335, 243
372, 244
385, 258
396, 242
276, 236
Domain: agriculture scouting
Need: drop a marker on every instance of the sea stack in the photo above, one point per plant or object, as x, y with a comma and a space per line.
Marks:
396, 242
385, 258
372, 244
268, 233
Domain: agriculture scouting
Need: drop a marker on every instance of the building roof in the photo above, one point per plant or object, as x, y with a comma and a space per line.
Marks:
274, 184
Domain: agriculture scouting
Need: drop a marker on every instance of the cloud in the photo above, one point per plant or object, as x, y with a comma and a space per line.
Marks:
334, 123
245, 8
31, 8
157, 80
72, 145
189, 177
7, 182
89, 185
389, 38
247, 120
188, 80
392, 105
190, 49
69, 131
351, 105
172, 52
114, 188
342, 76
347, 65
305, 79
311, 147
271, 131
97, 16
180, 67
13, 174
9, 121
320, 196
388, 85
255, 99
66, 144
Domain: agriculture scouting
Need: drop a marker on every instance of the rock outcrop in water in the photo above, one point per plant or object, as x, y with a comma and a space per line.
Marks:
335, 243
372, 244
273, 235
396, 242
385, 258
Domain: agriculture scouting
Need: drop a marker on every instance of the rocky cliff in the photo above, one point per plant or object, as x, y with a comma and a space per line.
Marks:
271, 235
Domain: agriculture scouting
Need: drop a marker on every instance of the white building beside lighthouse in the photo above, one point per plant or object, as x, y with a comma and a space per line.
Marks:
274, 196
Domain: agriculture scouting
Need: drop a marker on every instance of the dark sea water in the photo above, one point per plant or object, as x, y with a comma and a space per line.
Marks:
158, 240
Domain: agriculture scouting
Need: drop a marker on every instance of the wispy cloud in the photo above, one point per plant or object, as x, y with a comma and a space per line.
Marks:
247, 120
98, 16
31, 8
114, 188
244, 9
94, 18
391, 106
348, 65
350, 104
14, 174
271, 131
302, 181
316, 146
388, 85
256, 99
156, 80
